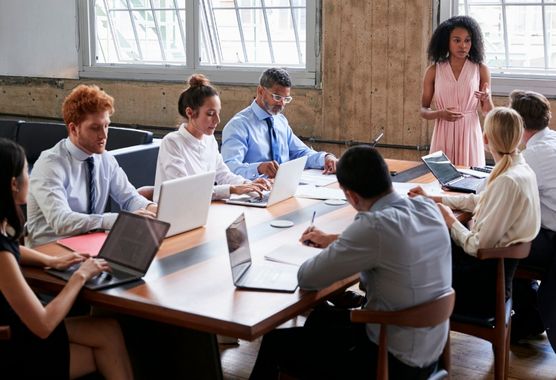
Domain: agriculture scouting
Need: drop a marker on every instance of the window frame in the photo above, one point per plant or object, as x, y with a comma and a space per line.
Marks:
301, 77
502, 83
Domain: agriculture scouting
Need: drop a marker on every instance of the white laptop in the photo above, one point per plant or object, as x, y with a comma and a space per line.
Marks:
129, 248
284, 187
185, 202
267, 275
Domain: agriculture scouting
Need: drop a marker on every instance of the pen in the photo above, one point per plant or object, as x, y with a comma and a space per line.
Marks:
311, 226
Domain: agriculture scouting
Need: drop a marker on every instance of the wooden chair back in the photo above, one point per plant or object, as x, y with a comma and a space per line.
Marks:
427, 314
499, 336
5, 333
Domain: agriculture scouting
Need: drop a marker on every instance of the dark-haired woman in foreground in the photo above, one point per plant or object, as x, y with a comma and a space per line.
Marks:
192, 149
43, 344
458, 80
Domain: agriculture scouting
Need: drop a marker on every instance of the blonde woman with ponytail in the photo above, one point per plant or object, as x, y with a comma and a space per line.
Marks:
505, 213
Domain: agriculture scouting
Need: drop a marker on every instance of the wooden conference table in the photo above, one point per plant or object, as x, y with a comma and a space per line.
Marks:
171, 318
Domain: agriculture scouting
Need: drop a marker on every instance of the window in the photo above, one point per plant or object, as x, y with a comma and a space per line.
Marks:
230, 40
520, 41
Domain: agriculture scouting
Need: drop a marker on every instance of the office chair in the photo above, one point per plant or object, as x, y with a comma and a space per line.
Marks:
495, 329
427, 314
5, 333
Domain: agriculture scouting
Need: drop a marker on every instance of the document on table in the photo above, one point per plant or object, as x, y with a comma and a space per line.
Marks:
474, 173
316, 178
403, 188
294, 254
314, 192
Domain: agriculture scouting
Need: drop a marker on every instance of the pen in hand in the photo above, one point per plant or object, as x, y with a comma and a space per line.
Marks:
311, 226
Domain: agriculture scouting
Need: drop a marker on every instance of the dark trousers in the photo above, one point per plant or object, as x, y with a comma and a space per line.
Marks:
474, 281
329, 346
534, 306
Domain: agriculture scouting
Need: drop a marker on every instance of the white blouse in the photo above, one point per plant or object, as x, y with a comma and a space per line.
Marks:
509, 213
181, 154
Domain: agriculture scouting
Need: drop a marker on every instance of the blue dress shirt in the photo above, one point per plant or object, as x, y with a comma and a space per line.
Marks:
59, 195
245, 142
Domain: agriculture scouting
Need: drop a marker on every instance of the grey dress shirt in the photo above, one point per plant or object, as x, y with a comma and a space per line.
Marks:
58, 194
401, 247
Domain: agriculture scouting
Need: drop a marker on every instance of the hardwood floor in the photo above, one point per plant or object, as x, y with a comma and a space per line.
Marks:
472, 358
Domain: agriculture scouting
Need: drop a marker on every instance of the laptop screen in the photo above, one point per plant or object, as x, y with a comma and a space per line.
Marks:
238, 247
440, 165
133, 241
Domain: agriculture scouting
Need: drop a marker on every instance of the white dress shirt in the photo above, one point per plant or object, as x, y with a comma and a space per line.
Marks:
540, 154
59, 195
401, 248
509, 213
181, 154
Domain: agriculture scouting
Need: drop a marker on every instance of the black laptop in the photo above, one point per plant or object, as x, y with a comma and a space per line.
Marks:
129, 248
448, 176
268, 275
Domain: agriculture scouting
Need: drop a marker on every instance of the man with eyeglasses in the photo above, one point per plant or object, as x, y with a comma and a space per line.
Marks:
259, 138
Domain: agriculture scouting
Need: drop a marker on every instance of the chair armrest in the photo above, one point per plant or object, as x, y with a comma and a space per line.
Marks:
516, 251
426, 314
5, 332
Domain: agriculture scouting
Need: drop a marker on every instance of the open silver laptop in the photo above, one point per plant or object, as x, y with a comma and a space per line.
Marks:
284, 187
261, 276
448, 176
129, 248
185, 202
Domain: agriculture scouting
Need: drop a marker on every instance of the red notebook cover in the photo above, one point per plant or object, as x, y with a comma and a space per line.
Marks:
90, 243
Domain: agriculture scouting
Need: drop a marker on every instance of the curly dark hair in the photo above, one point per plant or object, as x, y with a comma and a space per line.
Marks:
439, 44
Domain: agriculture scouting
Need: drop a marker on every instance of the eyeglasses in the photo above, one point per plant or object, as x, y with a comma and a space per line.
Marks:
277, 98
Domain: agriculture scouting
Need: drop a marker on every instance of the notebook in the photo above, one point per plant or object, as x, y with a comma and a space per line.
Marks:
185, 202
448, 176
293, 254
284, 187
260, 276
90, 243
129, 248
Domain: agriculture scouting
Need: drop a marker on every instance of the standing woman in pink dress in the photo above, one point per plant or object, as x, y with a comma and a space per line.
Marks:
458, 81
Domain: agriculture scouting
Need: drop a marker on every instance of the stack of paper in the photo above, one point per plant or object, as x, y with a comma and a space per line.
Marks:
294, 254
316, 178
314, 192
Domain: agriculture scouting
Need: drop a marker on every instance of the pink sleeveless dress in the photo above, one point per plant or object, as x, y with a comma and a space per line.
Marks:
462, 140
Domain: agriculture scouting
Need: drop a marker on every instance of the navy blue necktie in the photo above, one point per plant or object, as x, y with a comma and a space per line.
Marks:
92, 188
274, 145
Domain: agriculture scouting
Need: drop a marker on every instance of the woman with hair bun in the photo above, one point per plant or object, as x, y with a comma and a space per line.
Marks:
458, 80
505, 213
192, 149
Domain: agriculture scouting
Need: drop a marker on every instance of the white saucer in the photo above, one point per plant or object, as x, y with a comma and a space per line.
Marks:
335, 202
281, 223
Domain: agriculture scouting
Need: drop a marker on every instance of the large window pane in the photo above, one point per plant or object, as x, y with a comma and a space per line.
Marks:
525, 43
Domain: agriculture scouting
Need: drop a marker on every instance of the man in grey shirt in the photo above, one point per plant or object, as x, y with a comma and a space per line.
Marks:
401, 248
71, 182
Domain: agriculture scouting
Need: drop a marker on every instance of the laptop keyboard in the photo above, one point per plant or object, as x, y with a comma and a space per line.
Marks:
470, 183
263, 199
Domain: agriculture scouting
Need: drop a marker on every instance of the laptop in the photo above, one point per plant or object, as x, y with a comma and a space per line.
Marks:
185, 202
268, 275
129, 248
284, 187
448, 176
